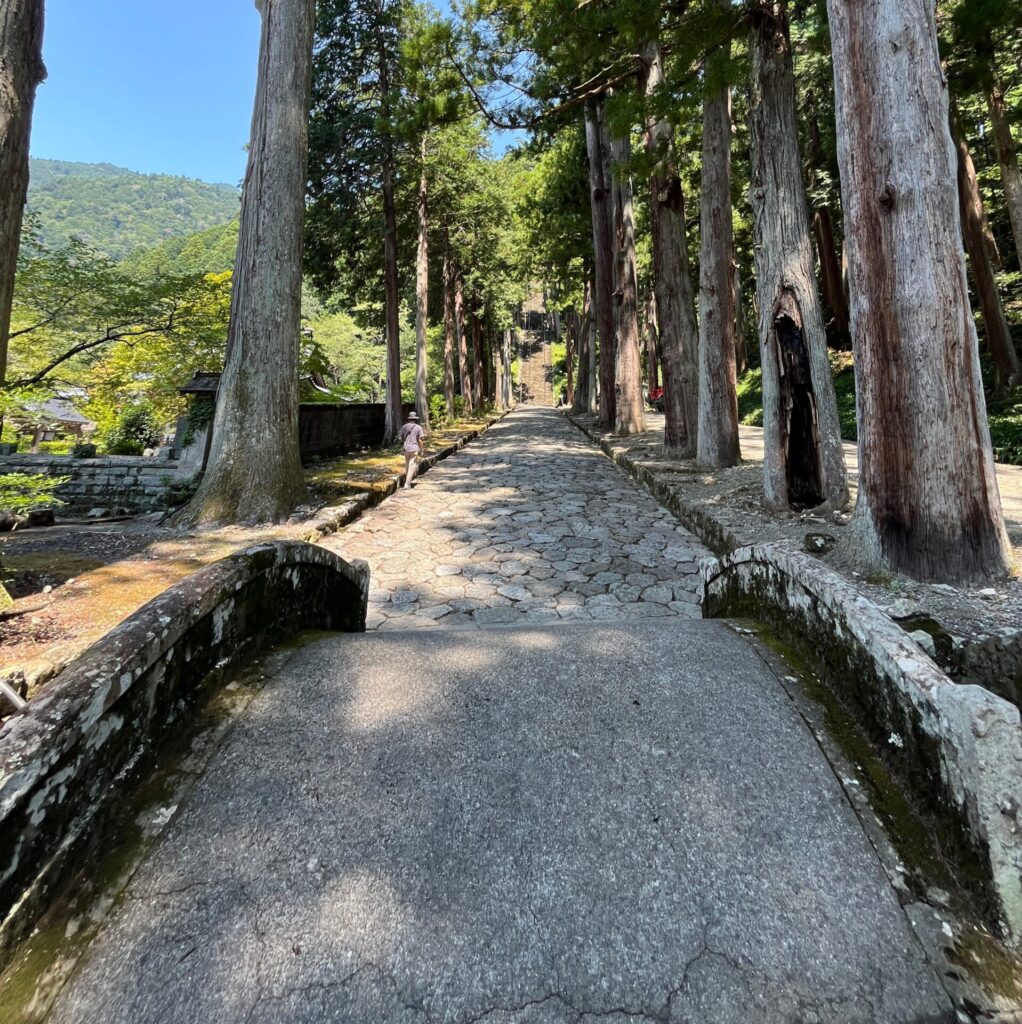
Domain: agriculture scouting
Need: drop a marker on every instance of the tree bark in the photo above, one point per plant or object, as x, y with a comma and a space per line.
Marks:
652, 343
741, 349
583, 383
717, 438
629, 411
422, 297
672, 275
449, 342
478, 378
254, 472
464, 374
391, 293
928, 503
21, 71
1007, 158
831, 278
974, 229
803, 463
603, 257
569, 358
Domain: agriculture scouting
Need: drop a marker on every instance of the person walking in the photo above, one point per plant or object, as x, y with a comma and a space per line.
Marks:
411, 442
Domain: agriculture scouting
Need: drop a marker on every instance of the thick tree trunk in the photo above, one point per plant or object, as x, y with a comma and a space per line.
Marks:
254, 472
422, 298
928, 503
803, 461
974, 229
672, 275
831, 278
449, 342
630, 413
603, 259
1007, 157
464, 374
21, 71
717, 440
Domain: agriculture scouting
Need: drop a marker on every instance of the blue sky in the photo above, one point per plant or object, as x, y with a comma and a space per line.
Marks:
152, 85
157, 86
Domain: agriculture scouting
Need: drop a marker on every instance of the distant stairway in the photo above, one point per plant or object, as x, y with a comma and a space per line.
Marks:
536, 372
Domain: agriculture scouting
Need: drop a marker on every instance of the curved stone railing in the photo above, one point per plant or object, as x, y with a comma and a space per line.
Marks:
66, 758
956, 748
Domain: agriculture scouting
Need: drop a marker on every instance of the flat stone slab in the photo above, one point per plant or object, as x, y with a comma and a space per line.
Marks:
621, 821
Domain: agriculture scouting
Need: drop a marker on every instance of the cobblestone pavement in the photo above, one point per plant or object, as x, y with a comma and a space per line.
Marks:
530, 523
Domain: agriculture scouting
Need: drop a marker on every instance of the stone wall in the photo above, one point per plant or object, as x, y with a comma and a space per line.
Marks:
69, 757
327, 429
130, 482
956, 749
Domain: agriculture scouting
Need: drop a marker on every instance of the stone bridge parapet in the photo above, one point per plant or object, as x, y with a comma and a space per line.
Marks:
67, 760
956, 749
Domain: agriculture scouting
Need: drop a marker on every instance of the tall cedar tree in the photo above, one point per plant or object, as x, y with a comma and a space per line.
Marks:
21, 71
672, 276
803, 462
352, 165
928, 503
254, 472
717, 443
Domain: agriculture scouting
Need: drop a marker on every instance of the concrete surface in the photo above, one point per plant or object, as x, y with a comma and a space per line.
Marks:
623, 821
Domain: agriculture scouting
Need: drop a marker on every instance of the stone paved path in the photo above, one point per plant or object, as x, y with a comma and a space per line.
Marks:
529, 524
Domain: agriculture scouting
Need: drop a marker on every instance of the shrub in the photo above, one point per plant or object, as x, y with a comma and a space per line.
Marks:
54, 447
135, 431
23, 492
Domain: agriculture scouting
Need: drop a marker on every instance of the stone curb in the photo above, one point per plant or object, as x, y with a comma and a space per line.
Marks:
66, 759
33, 673
714, 533
335, 517
956, 748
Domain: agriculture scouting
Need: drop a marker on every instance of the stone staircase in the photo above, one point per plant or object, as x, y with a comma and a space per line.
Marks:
535, 373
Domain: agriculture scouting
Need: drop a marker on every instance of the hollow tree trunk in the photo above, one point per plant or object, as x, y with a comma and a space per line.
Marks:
254, 472
831, 277
974, 228
603, 257
928, 503
449, 341
1007, 158
464, 375
630, 413
21, 71
803, 462
422, 297
391, 294
672, 275
717, 439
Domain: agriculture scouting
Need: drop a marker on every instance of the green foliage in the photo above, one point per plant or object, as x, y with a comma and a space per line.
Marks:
206, 252
55, 447
24, 492
116, 211
136, 429
1006, 429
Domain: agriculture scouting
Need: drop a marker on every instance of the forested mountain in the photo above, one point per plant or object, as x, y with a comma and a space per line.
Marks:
205, 252
118, 211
